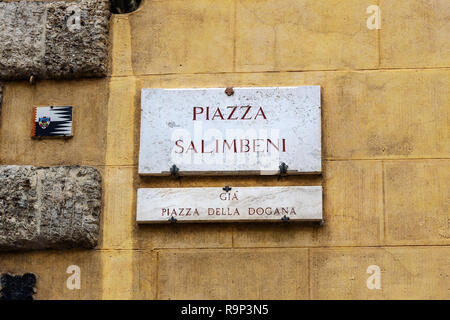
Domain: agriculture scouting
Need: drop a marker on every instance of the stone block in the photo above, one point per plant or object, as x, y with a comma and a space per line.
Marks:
404, 273
233, 274
129, 274
53, 40
415, 34
417, 202
57, 207
287, 35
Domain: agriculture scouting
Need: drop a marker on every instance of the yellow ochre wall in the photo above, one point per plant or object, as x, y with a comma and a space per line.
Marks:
386, 152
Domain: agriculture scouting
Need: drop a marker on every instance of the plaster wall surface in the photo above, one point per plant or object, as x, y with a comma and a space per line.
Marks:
386, 152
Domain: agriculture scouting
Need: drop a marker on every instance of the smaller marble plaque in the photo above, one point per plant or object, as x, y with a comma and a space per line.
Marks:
159, 205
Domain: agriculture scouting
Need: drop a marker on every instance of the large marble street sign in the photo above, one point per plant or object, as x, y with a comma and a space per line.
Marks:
253, 131
158, 205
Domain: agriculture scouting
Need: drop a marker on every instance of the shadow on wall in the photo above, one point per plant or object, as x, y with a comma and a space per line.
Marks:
124, 6
17, 287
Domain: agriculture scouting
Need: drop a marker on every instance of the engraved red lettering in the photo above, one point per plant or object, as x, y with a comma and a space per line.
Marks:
247, 145
247, 111
177, 143
232, 112
218, 113
191, 147
225, 143
197, 112
260, 112
275, 146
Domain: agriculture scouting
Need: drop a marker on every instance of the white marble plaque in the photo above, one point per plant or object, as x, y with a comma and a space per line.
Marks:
159, 205
253, 131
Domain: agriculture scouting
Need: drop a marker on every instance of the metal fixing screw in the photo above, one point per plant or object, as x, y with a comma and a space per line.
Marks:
229, 91
174, 171
173, 220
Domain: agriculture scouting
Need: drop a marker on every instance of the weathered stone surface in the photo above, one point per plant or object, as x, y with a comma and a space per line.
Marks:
56, 207
1, 98
47, 40
21, 31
